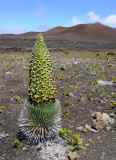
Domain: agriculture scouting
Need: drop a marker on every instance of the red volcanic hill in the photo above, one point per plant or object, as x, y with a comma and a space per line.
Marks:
55, 30
84, 32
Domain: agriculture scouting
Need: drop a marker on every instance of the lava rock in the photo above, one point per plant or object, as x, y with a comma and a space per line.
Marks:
101, 120
98, 125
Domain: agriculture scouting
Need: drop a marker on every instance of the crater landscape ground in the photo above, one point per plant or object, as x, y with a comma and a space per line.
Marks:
74, 84
86, 88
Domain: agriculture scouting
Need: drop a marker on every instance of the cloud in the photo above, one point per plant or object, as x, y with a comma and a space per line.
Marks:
110, 20
20, 29
93, 17
13, 30
41, 28
75, 20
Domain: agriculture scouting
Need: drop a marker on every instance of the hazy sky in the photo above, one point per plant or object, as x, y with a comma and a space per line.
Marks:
18, 16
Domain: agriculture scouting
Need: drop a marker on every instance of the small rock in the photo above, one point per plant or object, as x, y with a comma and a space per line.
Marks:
110, 120
8, 72
2, 136
1, 87
72, 155
87, 126
90, 129
112, 115
87, 145
81, 148
80, 128
100, 141
105, 118
98, 137
84, 130
83, 99
1, 158
93, 114
101, 101
7, 135
93, 130
1, 111
75, 62
24, 148
72, 95
108, 128
102, 120
99, 125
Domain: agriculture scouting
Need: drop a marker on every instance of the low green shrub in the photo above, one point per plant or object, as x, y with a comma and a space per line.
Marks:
63, 132
111, 53
89, 96
67, 102
16, 143
62, 67
113, 104
66, 52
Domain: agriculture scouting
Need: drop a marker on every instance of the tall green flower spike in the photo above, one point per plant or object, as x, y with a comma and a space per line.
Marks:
40, 119
42, 88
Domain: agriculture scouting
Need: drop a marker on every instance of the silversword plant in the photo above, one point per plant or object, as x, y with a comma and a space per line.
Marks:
40, 119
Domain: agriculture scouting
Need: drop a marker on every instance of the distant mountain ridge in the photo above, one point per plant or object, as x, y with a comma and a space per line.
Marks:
82, 32
85, 32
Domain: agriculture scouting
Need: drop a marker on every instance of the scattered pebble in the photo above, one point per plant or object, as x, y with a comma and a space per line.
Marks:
101, 101
90, 129
1, 111
8, 72
24, 148
1, 87
84, 130
112, 114
72, 95
75, 62
1, 158
3, 135
87, 145
108, 127
104, 82
80, 128
72, 155
111, 121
